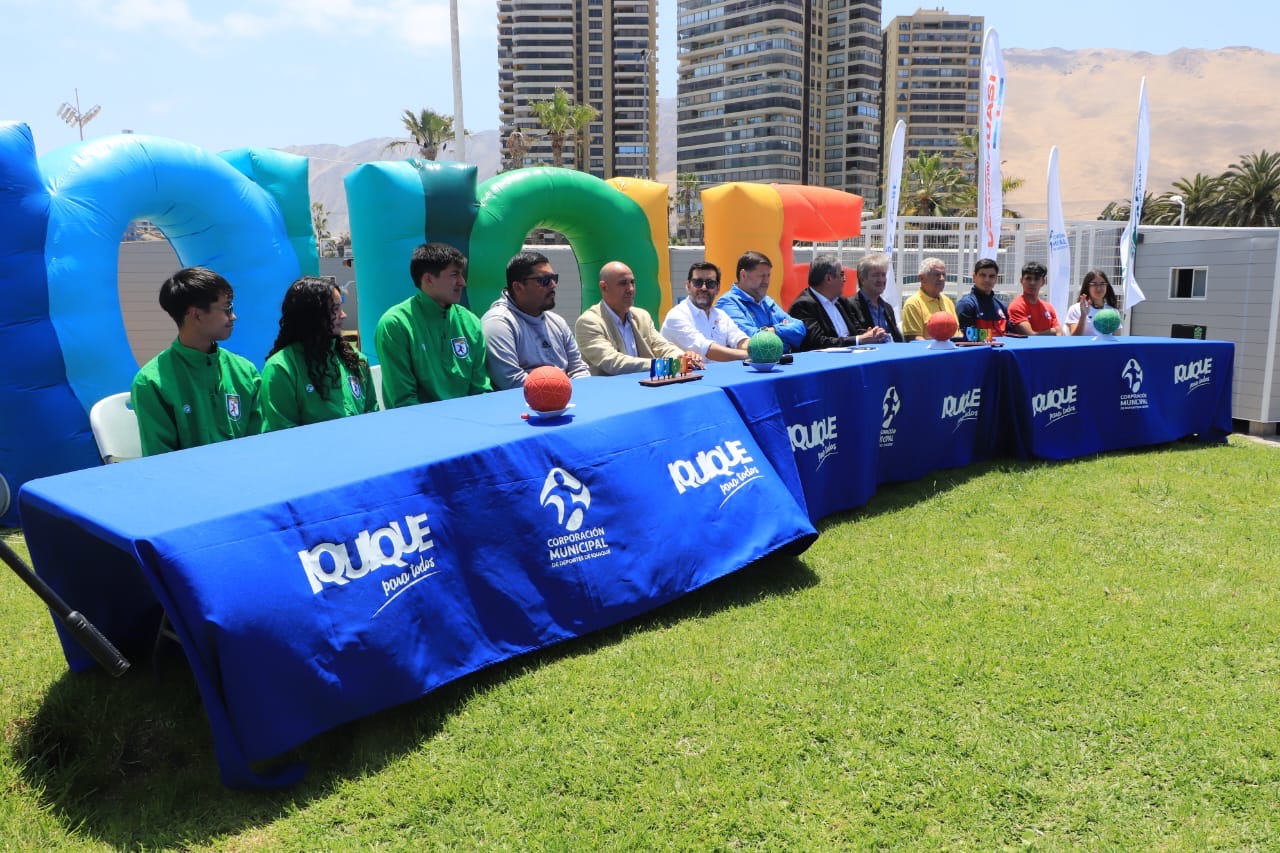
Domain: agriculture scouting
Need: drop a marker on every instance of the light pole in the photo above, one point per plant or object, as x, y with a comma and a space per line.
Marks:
1182, 208
459, 129
649, 58
74, 118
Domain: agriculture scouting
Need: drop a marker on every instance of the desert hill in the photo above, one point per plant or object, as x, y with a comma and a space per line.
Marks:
1208, 108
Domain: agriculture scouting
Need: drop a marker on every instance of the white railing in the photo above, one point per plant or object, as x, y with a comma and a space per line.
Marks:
1095, 244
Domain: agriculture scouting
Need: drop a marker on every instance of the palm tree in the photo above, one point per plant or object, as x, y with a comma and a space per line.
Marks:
320, 224
561, 117
929, 186
1118, 211
687, 202
428, 131
966, 199
1202, 195
1251, 191
518, 145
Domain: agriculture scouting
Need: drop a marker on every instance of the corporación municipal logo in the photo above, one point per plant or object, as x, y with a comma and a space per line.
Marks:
821, 435
402, 544
1057, 403
1194, 374
962, 409
570, 498
1132, 375
889, 408
728, 465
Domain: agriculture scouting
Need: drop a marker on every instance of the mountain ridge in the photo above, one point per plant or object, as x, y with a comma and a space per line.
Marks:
1208, 108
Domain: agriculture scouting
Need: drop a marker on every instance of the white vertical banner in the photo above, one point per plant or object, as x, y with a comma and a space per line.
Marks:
1129, 239
892, 199
990, 191
1059, 246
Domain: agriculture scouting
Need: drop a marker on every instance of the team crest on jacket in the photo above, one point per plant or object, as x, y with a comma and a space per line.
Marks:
460, 348
233, 406
354, 384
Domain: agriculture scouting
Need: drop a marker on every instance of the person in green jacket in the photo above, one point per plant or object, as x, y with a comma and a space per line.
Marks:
195, 392
431, 347
312, 374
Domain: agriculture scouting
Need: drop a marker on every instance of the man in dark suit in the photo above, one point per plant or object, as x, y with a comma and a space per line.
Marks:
827, 316
874, 319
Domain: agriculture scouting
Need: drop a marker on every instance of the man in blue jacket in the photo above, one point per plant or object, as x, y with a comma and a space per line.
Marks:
749, 306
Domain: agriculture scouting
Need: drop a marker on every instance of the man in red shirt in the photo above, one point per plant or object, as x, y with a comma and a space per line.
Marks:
1029, 314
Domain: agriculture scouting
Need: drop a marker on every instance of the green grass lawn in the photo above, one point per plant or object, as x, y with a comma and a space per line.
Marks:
1055, 655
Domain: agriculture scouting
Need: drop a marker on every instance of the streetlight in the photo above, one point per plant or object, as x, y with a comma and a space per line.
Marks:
648, 57
74, 118
1182, 208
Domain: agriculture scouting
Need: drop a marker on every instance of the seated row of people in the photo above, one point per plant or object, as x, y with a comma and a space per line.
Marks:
431, 347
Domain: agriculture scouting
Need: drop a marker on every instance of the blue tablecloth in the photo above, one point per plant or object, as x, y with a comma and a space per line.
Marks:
1067, 397
838, 424
319, 574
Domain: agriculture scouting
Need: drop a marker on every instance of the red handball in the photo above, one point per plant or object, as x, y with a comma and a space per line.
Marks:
547, 389
942, 326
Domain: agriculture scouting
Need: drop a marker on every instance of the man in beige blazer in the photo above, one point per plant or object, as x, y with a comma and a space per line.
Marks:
616, 337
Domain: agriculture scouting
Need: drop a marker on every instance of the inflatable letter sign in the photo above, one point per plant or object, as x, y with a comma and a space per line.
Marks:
246, 215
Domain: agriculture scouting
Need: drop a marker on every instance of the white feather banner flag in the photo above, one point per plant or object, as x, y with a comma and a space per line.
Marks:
1059, 246
990, 190
892, 198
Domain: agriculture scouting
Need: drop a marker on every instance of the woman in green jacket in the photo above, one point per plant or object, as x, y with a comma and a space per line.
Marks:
312, 374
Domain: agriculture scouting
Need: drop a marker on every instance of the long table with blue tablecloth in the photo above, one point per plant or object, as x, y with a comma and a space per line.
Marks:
838, 424
319, 574
1068, 397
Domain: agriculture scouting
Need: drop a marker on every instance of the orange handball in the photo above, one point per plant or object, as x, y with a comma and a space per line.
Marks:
942, 326
547, 389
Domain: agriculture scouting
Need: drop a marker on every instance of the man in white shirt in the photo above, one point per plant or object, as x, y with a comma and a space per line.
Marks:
697, 324
616, 337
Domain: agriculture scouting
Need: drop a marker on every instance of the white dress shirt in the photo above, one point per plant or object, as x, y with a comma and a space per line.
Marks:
691, 328
833, 312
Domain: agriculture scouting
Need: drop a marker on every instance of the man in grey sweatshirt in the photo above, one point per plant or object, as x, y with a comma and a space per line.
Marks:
522, 332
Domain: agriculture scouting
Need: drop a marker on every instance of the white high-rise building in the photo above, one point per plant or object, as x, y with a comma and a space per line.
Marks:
602, 53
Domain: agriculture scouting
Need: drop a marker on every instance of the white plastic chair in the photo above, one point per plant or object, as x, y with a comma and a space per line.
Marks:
376, 371
115, 428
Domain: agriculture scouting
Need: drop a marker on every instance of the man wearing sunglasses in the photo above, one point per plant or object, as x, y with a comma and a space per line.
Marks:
697, 324
617, 337
431, 347
195, 392
520, 329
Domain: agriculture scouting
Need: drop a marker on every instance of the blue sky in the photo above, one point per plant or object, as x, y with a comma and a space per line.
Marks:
270, 73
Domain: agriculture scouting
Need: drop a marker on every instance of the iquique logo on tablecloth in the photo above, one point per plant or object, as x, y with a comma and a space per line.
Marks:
962, 409
339, 563
821, 435
1058, 403
569, 496
729, 463
1198, 373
